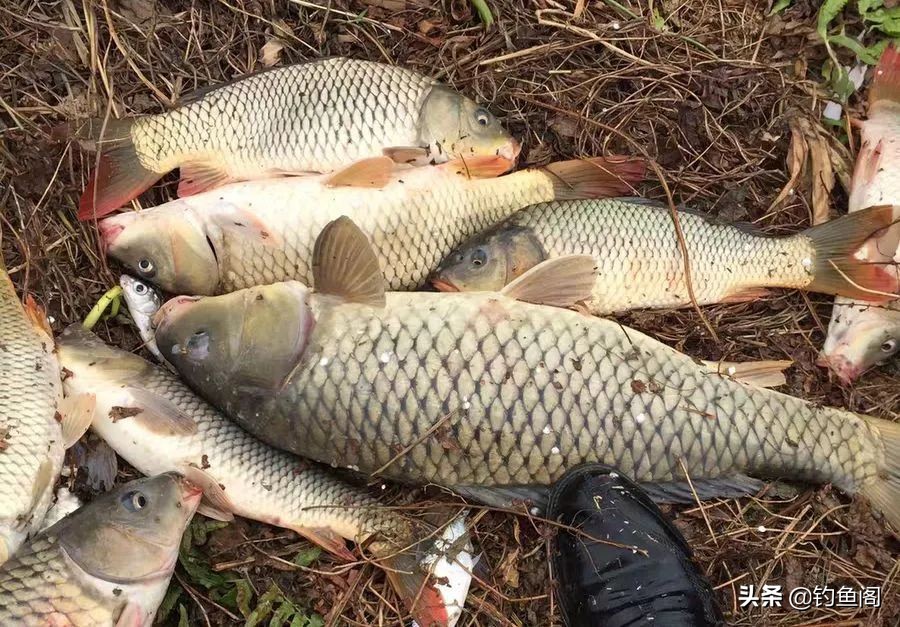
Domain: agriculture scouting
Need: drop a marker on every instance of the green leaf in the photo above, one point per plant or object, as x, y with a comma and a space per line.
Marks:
829, 10
243, 595
887, 20
869, 55
199, 572
659, 22
484, 12
264, 608
299, 620
168, 603
867, 5
780, 6
183, 616
314, 620
841, 84
306, 557
284, 612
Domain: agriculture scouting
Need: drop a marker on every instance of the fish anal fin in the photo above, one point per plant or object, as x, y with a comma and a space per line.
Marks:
733, 486
197, 176
37, 316
372, 173
746, 294
328, 539
345, 265
76, 414
560, 282
479, 166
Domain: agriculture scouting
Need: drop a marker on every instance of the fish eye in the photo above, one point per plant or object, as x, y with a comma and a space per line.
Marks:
479, 257
146, 267
135, 501
140, 288
889, 346
482, 117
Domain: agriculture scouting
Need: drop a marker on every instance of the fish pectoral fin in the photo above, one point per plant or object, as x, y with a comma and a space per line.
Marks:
372, 173
76, 414
746, 295
215, 501
328, 539
560, 282
37, 316
507, 497
762, 374
730, 487
213, 512
133, 615
479, 166
408, 155
345, 265
198, 176
160, 415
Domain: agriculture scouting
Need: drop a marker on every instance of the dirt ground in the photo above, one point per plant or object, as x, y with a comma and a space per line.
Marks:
714, 93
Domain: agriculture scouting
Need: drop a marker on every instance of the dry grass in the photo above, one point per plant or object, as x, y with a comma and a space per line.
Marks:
710, 98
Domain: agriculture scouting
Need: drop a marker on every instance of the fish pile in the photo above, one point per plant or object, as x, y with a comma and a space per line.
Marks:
316, 201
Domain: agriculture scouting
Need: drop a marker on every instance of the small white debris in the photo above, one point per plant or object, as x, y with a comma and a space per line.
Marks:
384, 486
761, 529
832, 111
638, 588
353, 467
51, 319
535, 511
467, 405
616, 25
323, 361
806, 263
385, 357
640, 418
555, 450
732, 370
613, 475
857, 75
546, 430
791, 191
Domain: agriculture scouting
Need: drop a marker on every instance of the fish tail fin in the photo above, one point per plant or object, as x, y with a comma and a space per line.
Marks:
414, 586
839, 271
884, 491
598, 177
886, 84
120, 176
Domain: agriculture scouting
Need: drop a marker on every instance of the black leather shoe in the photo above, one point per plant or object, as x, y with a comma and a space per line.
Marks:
639, 572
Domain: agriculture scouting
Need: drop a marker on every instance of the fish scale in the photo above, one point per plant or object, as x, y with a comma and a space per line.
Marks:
268, 137
39, 580
32, 449
527, 392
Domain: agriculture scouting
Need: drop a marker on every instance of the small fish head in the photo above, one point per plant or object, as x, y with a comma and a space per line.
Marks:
246, 342
454, 126
132, 533
859, 339
165, 248
143, 301
489, 261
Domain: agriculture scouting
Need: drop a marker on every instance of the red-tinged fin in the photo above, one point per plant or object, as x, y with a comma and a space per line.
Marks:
746, 295
407, 155
419, 594
119, 177
133, 615
837, 270
883, 490
886, 84
558, 282
868, 164
479, 166
37, 316
328, 540
200, 177
372, 173
216, 503
598, 177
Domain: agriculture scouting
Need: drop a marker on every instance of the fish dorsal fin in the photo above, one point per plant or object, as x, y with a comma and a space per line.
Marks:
479, 166
37, 316
76, 414
372, 173
560, 282
345, 265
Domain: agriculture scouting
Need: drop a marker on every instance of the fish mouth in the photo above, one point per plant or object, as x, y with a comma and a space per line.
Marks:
109, 231
170, 309
510, 151
845, 370
191, 493
443, 286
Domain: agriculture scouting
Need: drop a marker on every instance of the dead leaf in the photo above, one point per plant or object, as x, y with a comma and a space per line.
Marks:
117, 413
388, 5
270, 54
810, 153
